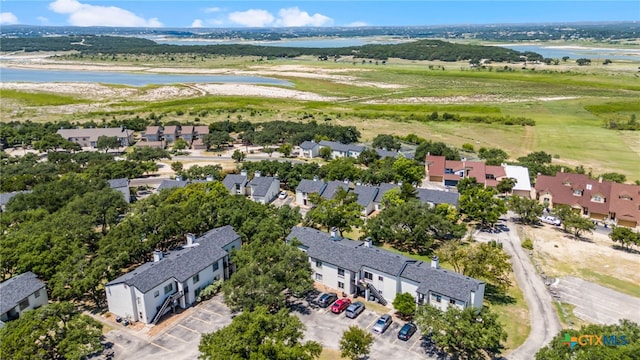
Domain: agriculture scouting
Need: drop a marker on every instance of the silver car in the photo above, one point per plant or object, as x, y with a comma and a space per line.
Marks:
382, 324
354, 310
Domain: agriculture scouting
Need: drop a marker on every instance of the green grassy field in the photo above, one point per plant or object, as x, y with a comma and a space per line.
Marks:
568, 103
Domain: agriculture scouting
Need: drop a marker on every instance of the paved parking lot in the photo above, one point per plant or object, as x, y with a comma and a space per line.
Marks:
179, 340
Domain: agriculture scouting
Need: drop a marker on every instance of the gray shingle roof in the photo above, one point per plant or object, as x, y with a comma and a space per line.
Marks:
260, 185
180, 264
17, 289
118, 183
366, 194
336, 146
387, 153
332, 187
438, 196
308, 145
94, 133
441, 281
231, 180
5, 197
353, 255
383, 188
170, 184
311, 186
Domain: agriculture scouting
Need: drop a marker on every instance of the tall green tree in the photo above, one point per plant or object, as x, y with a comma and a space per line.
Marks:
355, 343
238, 156
625, 335
463, 333
506, 185
260, 335
528, 210
285, 149
408, 171
55, 331
266, 273
217, 139
573, 222
108, 142
492, 156
384, 141
325, 153
147, 153
481, 205
342, 212
405, 304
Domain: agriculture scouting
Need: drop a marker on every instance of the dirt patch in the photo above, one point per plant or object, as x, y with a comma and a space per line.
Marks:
559, 254
263, 91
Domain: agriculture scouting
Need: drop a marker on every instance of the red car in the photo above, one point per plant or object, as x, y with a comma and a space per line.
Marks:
340, 305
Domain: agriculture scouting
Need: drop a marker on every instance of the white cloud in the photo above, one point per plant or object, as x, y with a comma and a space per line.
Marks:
197, 23
7, 18
94, 15
43, 20
295, 17
252, 18
357, 24
212, 9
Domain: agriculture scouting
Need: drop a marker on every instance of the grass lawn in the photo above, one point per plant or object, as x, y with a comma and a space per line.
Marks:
565, 313
330, 354
514, 316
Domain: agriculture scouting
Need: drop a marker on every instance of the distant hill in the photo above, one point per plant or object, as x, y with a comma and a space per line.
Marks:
417, 50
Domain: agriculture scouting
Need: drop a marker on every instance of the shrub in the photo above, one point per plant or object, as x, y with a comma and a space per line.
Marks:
467, 147
210, 291
527, 244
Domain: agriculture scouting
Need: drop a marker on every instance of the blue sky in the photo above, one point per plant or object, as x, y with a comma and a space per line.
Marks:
266, 13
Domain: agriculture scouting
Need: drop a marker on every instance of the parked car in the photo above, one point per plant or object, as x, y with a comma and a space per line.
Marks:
382, 324
354, 310
407, 331
340, 305
551, 220
282, 195
327, 299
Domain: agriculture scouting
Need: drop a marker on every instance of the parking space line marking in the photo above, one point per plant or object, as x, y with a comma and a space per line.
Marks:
161, 347
414, 345
211, 312
370, 325
188, 328
204, 321
178, 338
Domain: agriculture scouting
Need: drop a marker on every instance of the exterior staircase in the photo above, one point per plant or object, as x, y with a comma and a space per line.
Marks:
166, 303
373, 291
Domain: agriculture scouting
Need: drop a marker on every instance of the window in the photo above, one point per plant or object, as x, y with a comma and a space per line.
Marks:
451, 301
318, 263
319, 277
196, 278
438, 298
585, 211
380, 278
577, 192
216, 266
448, 171
597, 198
168, 289
368, 275
156, 294
138, 300
24, 304
37, 294
340, 285
340, 272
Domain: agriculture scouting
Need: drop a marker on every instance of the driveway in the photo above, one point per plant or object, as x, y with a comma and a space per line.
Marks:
544, 320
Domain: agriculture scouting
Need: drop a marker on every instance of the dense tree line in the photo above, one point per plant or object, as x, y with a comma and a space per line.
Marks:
417, 50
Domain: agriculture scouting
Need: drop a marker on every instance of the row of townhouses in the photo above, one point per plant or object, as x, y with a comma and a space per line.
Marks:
358, 268
262, 189
311, 149
369, 196
160, 136
89, 137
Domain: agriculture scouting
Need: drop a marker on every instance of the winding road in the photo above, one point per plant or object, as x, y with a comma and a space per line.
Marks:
544, 320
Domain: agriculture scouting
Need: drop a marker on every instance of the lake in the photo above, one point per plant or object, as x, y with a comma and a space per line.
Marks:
123, 78
576, 52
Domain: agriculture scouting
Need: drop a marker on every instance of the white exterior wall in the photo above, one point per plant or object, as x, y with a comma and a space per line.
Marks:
34, 303
387, 286
330, 277
408, 286
300, 197
477, 297
121, 301
149, 303
444, 302
274, 189
310, 153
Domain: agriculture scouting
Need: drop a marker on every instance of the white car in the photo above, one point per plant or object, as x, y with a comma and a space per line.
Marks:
282, 195
551, 220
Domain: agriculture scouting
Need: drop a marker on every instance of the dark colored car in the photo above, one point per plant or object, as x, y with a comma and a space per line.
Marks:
407, 331
354, 310
340, 305
327, 299
382, 324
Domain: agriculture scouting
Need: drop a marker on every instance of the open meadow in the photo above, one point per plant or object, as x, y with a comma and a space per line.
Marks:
569, 104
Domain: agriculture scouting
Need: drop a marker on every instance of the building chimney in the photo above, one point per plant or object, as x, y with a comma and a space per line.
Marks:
209, 177
334, 233
315, 177
368, 242
179, 178
600, 179
157, 255
562, 169
243, 172
257, 173
191, 239
435, 262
